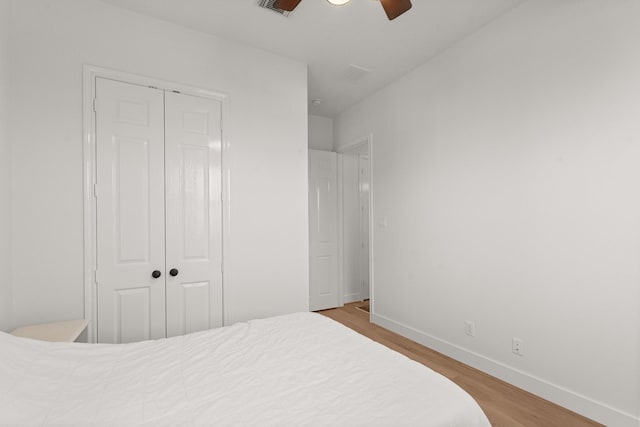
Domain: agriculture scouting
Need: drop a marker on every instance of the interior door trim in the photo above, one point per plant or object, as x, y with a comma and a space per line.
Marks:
90, 73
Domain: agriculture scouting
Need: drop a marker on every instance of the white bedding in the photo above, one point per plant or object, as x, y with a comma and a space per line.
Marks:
295, 370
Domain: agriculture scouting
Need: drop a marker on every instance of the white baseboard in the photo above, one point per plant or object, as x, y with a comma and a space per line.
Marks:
583, 405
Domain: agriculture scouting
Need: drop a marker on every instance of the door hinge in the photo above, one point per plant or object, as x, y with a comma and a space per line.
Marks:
95, 276
95, 105
95, 190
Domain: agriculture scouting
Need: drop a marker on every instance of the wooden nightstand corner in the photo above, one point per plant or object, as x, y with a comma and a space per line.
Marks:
66, 331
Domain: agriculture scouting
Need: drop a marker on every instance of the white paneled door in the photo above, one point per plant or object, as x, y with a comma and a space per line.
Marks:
364, 184
323, 230
193, 213
158, 223
356, 195
130, 214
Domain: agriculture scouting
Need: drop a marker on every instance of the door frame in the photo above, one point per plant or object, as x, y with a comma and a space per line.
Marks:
90, 73
366, 141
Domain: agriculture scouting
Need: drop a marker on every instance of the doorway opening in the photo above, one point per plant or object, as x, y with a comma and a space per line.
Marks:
354, 220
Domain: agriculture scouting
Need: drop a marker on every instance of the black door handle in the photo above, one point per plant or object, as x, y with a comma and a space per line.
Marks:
173, 272
156, 274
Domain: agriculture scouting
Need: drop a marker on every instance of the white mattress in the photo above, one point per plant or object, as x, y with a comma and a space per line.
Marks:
295, 370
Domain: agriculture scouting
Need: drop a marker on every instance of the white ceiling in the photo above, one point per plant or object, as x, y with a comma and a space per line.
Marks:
331, 38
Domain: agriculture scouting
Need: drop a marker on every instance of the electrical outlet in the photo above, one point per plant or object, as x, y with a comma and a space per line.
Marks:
470, 328
517, 346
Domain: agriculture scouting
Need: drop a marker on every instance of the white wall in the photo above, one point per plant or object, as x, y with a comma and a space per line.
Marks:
320, 133
266, 256
508, 169
5, 171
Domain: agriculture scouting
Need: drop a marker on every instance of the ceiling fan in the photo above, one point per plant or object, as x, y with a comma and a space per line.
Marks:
393, 8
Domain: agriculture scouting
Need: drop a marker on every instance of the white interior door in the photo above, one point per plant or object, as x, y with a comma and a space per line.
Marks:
352, 231
355, 182
364, 187
130, 212
323, 230
193, 213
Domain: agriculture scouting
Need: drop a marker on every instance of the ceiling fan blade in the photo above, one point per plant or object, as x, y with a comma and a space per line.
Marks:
287, 5
395, 8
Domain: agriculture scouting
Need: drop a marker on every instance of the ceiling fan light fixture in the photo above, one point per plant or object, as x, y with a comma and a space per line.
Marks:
393, 8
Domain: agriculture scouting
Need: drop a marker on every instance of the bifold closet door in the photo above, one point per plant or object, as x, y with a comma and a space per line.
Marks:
130, 223
193, 213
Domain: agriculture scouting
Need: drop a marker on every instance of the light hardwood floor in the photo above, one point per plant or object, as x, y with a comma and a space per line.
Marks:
504, 404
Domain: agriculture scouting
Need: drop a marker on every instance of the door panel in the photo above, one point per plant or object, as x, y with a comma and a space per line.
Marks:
352, 245
193, 213
194, 307
130, 191
132, 320
195, 167
130, 212
323, 230
364, 188
356, 192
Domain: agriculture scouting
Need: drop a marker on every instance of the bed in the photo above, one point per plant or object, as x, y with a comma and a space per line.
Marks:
296, 370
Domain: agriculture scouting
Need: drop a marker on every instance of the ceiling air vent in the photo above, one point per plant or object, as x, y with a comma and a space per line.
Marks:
268, 4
